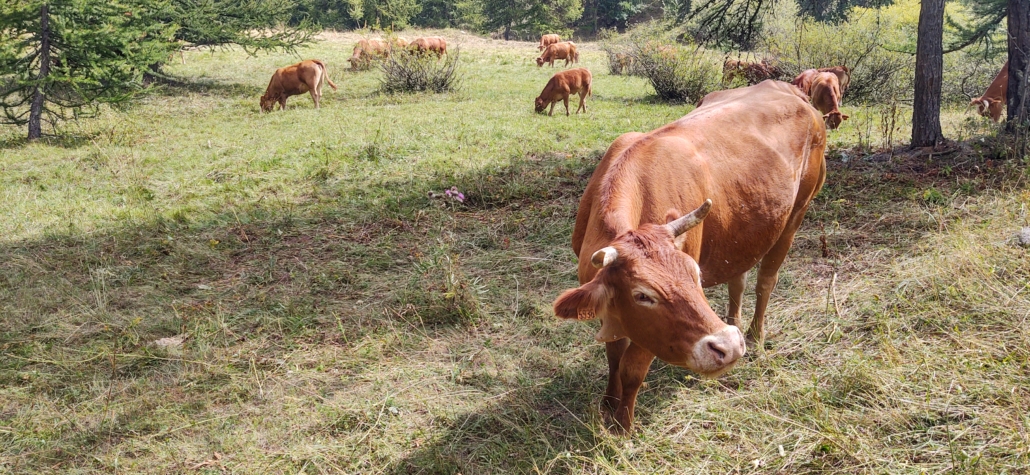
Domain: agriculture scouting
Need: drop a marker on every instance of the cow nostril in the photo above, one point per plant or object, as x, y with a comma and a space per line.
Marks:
718, 352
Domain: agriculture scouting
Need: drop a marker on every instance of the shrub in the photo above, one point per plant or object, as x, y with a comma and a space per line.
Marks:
677, 73
871, 43
407, 71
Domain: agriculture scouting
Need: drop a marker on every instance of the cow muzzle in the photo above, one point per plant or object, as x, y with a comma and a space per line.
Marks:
718, 352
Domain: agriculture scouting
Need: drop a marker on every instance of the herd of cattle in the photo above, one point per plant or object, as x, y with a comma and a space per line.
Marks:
747, 162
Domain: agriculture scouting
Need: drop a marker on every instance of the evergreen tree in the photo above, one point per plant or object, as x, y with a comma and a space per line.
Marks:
254, 25
531, 17
61, 59
1019, 64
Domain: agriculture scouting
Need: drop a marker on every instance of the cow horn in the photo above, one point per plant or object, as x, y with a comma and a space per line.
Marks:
604, 256
691, 219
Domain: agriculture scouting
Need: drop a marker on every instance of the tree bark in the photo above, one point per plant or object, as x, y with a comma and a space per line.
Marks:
926, 113
38, 94
1019, 57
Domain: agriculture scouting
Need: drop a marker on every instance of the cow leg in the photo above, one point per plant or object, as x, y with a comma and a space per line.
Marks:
636, 361
582, 102
614, 351
768, 274
565, 100
550, 113
736, 300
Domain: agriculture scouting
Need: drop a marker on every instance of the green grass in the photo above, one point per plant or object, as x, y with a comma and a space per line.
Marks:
338, 319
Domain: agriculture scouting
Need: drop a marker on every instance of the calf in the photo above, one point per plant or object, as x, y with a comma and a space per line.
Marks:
561, 86
753, 73
622, 63
566, 51
803, 81
305, 76
547, 40
991, 102
825, 96
431, 44
366, 51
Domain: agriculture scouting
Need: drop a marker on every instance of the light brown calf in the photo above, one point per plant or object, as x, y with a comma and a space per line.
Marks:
992, 100
561, 86
431, 44
547, 40
753, 73
751, 160
367, 51
305, 76
825, 96
566, 51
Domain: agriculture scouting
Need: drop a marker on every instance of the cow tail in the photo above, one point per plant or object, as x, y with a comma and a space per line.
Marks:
325, 74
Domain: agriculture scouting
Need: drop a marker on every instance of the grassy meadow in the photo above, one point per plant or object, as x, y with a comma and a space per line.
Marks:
338, 314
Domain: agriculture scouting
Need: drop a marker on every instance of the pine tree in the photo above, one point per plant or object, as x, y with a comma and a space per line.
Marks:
61, 59
1019, 64
254, 25
531, 17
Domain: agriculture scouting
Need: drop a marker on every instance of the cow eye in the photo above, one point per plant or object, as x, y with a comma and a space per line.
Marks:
643, 299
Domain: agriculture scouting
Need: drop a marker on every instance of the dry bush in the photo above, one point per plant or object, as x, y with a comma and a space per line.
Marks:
406, 71
680, 73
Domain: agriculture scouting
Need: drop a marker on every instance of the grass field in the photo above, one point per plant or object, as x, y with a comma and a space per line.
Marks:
336, 318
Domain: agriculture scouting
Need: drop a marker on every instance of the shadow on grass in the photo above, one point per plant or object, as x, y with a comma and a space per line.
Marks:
173, 86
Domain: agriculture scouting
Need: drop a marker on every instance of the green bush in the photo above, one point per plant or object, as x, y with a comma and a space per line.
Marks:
678, 73
407, 71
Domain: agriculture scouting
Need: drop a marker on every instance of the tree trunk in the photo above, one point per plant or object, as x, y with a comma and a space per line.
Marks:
926, 113
38, 94
507, 32
1019, 57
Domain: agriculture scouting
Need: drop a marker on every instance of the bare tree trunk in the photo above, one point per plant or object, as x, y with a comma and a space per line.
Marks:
38, 95
926, 113
1019, 57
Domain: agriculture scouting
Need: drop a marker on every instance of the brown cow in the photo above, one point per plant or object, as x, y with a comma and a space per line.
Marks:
751, 160
622, 63
547, 40
305, 76
753, 73
803, 81
992, 100
430, 44
561, 86
566, 51
367, 51
825, 96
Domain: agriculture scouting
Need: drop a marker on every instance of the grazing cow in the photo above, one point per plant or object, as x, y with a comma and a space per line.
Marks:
566, 51
803, 81
561, 86
367, 51
430, 44
751, 160
825, 96
547, 40
305, 76
399, 42
991, 102
753, 73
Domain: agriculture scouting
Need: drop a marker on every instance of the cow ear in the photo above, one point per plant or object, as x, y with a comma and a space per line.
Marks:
581, 303
843, 117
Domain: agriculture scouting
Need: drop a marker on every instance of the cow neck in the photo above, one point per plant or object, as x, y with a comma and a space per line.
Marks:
622, 194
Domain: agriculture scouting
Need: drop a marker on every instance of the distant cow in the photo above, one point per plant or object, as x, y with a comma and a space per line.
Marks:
305, 76
561, 86
621, 63
547, 40
825, 96
991, 102
753, 73
803, 81
367, 51
399, 42
431, 44
566, 51
748, 163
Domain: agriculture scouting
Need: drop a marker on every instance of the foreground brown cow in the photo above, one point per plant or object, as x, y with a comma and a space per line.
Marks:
547, 40
804, 80
561, 86
566, 51
753, 73
757, 154
305, 76
431, 44
825, 96
992, 100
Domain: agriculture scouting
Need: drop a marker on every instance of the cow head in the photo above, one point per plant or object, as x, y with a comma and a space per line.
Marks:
648, 290
539, 105
267, 102
540, 61
834, 118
